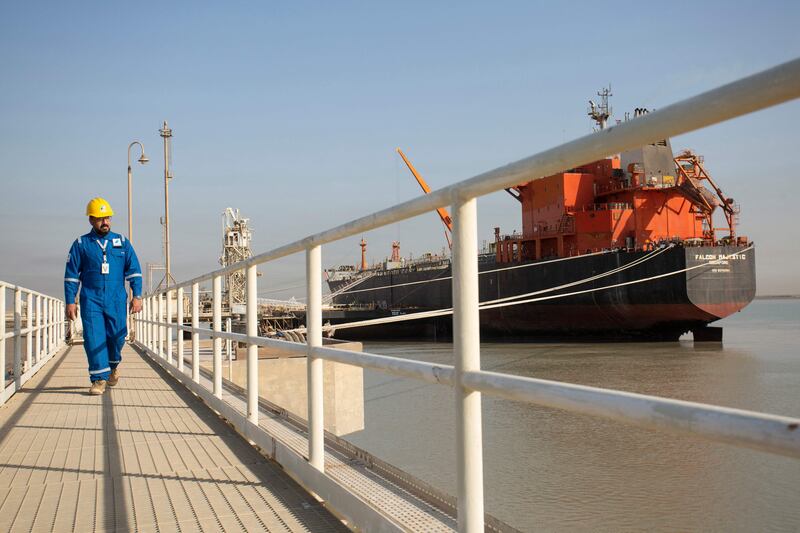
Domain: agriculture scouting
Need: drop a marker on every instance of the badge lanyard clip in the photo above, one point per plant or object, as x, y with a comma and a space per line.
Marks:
104, 267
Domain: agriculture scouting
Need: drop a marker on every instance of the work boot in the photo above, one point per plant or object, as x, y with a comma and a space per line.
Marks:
114, 377
98, 387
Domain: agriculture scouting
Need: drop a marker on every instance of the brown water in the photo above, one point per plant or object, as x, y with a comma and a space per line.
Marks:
551, 470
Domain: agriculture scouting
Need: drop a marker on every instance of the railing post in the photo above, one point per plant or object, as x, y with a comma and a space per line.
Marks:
216, 290
140, 327
136, 324
179, 321
252, 349
37, 338
56, 341
3, 342
47, 334
46, 326
145, 325
18, 337
159, 328
53, 336
228, 349
145, 310
29, 335
148, 331
169, 326
314, 365
466, 348
195, 335
150, 316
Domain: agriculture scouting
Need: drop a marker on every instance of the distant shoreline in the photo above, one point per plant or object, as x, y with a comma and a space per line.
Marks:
778, 297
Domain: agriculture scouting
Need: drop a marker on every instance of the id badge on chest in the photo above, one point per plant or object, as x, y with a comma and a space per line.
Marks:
104, 265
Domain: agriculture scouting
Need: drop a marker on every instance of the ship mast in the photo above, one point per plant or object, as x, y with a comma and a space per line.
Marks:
601, 113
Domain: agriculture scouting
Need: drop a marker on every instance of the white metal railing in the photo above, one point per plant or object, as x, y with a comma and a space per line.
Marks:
774, 434
43, 334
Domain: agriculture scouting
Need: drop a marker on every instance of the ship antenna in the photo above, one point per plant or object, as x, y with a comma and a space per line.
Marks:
601, 113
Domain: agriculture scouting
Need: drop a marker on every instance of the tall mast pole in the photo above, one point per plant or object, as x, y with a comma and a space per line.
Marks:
166, 134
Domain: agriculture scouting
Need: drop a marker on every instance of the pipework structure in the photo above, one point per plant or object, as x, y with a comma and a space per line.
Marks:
236, 238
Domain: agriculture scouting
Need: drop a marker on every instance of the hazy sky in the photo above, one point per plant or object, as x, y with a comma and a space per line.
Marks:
291, 111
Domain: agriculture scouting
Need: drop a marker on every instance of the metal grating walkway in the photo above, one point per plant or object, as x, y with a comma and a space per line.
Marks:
146, 456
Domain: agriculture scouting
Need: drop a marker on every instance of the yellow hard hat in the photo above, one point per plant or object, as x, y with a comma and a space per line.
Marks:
99, 208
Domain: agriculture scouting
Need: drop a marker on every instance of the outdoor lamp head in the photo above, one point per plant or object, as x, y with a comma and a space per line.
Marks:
143, 159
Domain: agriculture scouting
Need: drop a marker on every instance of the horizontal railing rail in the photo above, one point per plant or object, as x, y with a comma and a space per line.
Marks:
43, 334
156, 329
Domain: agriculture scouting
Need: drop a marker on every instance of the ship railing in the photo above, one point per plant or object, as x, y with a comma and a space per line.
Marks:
607, 206
622, 186
37, 322
765, 432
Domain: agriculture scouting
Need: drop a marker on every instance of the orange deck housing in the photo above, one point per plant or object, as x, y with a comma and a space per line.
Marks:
600, 206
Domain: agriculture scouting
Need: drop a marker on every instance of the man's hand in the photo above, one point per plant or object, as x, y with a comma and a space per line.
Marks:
136, 305
72, 311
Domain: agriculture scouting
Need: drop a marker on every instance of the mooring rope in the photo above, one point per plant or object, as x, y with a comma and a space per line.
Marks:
493, 304
529, 265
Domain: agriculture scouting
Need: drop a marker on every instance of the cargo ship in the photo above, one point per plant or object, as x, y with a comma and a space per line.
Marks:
624, 248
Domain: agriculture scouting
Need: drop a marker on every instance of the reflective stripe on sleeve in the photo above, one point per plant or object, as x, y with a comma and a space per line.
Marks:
73, 280
133, 276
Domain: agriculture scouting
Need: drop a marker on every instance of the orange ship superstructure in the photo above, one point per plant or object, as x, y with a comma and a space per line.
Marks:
630, 201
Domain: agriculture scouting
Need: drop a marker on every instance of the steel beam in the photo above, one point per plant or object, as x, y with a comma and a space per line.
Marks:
195, 336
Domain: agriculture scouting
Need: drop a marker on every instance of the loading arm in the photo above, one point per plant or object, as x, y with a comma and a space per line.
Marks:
443, 214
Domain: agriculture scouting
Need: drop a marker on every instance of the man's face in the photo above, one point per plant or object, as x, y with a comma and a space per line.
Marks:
101, 225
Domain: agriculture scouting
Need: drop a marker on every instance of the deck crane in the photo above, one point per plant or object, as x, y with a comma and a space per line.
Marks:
443, 214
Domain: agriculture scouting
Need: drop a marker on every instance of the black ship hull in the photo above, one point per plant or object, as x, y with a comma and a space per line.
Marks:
660, 309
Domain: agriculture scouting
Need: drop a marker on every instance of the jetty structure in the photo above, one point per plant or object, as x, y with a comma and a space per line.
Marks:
177, 445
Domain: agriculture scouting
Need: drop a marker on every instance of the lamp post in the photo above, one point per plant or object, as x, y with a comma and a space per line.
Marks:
142, 161
166, 134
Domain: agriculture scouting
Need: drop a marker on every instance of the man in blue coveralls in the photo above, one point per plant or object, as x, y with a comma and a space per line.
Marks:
100, 262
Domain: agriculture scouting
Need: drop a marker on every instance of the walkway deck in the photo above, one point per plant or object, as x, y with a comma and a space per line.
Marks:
146, 456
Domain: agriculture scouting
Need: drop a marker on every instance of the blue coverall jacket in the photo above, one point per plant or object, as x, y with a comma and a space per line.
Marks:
103, 298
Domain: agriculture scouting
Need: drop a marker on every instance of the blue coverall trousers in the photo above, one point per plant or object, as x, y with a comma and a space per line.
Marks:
104, 332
